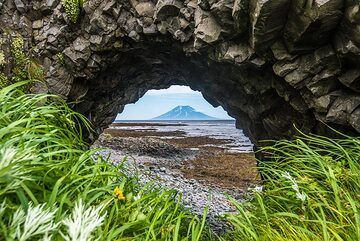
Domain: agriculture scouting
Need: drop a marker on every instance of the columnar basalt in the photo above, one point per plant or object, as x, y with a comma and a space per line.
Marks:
272, 64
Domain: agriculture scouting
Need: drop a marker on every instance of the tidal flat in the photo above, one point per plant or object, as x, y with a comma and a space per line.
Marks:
203, 161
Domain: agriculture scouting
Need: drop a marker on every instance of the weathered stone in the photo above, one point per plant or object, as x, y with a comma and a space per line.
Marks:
346, 47
146, 9
267, 20
320, 86
280, 51
351, 23
50, 4
282, 68
37, 24
20, 6
206, 27
240, 14
310, 23
312, 64
95, 39
238, 52
342, 108
351, 79
204, 4
222, 10
302, 75
322, 103
90, 6
355, 119
79, 52
167, 8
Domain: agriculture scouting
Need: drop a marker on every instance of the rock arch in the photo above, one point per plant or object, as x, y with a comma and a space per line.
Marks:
270, 64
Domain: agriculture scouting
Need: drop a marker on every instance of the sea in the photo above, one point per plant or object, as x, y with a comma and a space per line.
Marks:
218, 129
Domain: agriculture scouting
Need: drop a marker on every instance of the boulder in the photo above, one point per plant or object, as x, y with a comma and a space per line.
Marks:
206, 27
167, 8
310, 23
145, 9
267, 19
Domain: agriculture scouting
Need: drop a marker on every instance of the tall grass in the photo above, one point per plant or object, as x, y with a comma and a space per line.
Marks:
312, 192
52, 187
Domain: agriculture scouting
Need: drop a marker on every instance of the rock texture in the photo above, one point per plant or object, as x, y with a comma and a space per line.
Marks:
272, 64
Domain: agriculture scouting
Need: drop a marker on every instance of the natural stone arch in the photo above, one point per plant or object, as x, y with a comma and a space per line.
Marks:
270, 64
142, 69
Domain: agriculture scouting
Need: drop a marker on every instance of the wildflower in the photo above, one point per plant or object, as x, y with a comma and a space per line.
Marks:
258, 189
119, 193
2, 59
47, 237
137, 197
36, 221
2, 207
7, 155
82, 222
299, 195
12, 159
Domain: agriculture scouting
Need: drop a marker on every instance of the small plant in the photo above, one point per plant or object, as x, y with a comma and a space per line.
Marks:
20, 60
82, 222
2, 59
35, 222
35, 71
44, 163
4, 81
311, 192
72, 9
107, 136
61, 58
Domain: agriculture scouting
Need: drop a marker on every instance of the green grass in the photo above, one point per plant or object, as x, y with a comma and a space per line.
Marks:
45, 164
52, 187
312, 192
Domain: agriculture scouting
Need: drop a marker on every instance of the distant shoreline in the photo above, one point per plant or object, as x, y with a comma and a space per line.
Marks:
144, 121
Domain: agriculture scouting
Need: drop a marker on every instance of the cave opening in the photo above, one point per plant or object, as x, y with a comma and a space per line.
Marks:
175, 137
256, 105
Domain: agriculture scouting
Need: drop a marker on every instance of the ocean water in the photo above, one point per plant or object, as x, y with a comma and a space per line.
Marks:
219, 129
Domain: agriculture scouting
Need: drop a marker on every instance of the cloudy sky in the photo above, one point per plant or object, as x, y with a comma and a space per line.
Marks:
157, 102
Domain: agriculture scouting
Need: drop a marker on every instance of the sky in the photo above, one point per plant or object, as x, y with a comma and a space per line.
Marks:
158, 102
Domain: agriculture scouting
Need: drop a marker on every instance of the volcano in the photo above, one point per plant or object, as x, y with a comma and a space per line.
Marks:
184, 113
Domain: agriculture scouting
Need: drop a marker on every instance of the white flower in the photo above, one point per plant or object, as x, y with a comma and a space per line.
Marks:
287, 175
301, 196
2, 207
257, 189
2, 59
6, 157
36, 221
137, 197
82, 222
12, 159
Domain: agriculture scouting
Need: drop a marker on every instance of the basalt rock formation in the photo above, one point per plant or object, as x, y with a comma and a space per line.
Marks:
271, 64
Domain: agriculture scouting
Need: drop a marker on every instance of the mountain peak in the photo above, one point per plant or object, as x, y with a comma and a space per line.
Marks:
184, 112
184, 107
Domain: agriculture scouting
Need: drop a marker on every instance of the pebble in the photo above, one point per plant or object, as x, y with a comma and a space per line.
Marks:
195, 195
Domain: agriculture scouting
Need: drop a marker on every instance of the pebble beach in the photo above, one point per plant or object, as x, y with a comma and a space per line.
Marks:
204, 167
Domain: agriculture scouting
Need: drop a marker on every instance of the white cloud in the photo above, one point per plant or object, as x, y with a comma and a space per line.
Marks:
174, 89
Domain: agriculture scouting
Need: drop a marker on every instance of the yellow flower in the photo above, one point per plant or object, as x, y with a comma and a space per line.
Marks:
119, 194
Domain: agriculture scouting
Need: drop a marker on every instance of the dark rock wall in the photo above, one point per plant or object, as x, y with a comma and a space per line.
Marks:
272, 64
